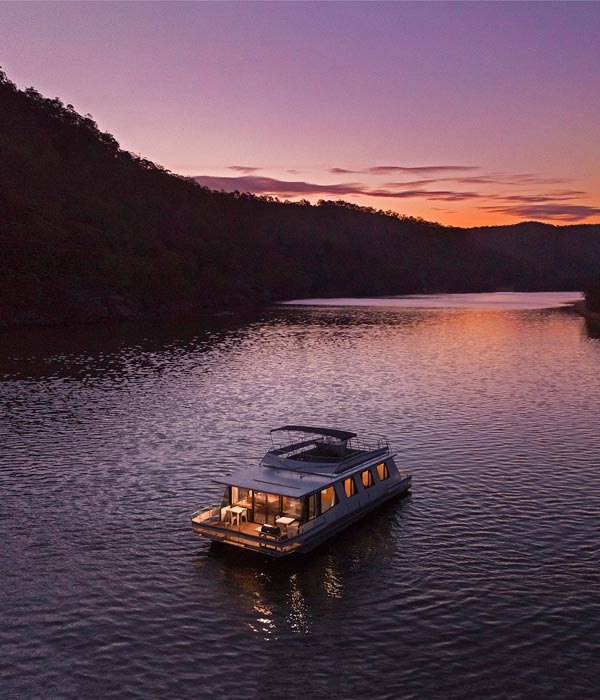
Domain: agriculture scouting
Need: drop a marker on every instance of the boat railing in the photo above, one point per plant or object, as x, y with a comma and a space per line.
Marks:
368, 444
293, 449
207, 513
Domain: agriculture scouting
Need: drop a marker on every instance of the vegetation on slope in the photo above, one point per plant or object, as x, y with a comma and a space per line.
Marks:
89, 231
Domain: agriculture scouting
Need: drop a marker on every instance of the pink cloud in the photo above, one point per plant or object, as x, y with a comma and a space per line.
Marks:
553, 212
387, 169
268, 185
551, 205
246, 169
394, 169
435, 195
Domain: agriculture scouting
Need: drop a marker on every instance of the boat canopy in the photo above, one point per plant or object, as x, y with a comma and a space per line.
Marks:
328, 432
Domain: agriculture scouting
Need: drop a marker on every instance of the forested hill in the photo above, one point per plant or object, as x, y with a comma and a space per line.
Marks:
89, 231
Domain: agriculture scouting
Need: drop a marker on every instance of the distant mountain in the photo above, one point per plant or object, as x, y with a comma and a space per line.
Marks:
553, 257
89, 232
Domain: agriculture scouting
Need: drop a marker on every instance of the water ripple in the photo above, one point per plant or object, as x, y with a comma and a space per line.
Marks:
483, 583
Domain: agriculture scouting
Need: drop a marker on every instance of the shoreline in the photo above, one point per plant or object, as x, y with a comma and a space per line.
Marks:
581, 308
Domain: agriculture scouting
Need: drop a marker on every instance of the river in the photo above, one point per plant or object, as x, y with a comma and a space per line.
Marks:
483, 583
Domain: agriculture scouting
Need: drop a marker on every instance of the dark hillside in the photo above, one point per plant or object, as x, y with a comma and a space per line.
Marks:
88, 231
557, 257
592, 295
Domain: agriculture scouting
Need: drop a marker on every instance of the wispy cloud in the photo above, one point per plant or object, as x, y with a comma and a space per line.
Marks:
412, 183
246, 169
491, 179
520, 198
511, 180
555, 196
421, 169
504, 179
268, 185
433, 195
409, 170
549, 212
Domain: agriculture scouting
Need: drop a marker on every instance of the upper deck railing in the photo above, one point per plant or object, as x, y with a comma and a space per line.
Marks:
343, 449
333, 445
368, 444
342, 454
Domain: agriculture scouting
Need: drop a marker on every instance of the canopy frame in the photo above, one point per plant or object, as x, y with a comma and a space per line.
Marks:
326, 432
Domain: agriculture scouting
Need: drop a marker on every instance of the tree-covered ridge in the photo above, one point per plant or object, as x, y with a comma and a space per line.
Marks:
90, 231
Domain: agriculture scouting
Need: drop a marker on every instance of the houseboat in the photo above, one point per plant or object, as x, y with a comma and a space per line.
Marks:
310, 485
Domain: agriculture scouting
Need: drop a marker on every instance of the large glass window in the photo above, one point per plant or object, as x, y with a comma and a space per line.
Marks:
382, 471
327, 499
291, 507
266, 507
367, 478
349, 487
241, 497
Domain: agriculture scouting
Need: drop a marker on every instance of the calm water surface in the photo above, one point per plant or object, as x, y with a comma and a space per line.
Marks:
484, 583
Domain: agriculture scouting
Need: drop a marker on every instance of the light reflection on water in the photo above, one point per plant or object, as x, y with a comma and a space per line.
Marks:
483, 583
491, 300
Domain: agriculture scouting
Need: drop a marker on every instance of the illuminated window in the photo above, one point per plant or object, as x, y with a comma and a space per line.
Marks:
327, 499
291, 507
367, 478
382, 471
241, 496
349, 487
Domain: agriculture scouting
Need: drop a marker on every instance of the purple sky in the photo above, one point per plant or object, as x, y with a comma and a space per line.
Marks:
465, 113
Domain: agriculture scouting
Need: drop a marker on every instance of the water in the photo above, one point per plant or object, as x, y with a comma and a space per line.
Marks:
485, 582
493, 300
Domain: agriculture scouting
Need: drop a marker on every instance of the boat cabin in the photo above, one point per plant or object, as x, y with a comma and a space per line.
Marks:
297, 485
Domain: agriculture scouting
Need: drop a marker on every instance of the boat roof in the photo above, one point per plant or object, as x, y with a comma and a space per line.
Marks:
287, 477
280, 482
310, 465
328, 432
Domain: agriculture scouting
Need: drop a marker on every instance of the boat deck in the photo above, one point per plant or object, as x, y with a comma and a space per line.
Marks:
244, 534
244, 527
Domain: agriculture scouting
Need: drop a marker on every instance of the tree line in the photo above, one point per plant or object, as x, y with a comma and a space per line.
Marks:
91, 231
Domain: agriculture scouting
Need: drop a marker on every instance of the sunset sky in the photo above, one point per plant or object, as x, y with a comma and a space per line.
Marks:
464, 113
